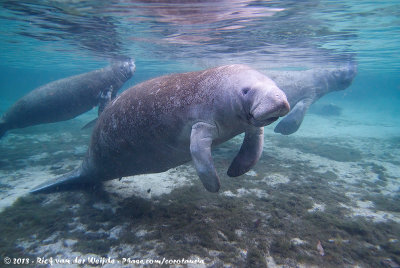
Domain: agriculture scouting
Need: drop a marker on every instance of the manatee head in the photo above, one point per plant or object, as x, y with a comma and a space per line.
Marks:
341, 77
124, 68
261, 101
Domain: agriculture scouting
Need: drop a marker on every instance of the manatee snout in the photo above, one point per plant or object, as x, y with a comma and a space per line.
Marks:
352, 66
132, 66
268, 108
351, 72
280, 105
344, 76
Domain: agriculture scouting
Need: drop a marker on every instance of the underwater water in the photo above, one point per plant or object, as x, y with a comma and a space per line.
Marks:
327, 195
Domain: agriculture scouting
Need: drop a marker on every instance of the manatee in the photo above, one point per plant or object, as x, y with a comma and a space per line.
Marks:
67, 98
168, 121
303, 88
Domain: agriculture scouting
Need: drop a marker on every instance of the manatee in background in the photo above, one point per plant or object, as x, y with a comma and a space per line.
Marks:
167, 121
67, 98
302, 88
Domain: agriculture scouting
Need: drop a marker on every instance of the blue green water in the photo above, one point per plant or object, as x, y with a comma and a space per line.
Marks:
46, 40
348, 162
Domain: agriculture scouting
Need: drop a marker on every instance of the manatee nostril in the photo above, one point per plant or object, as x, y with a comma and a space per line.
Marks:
250, 116
284, 107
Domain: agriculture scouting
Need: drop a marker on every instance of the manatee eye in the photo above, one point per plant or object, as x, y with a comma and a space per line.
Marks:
245, 90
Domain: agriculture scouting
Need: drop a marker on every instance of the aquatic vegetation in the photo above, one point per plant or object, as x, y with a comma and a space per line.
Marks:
320, 147
296, 192
390, 203
26, 219
327, 195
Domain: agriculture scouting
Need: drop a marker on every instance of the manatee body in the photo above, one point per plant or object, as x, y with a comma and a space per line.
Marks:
303, 88
168, 121
67, 98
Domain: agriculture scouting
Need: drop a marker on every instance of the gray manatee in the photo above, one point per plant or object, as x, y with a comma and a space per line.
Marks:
303, 88
67, 98
167, 121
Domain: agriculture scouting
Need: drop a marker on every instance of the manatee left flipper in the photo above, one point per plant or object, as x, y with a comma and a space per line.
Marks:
291, 122
201, 139
249, 154
104, 99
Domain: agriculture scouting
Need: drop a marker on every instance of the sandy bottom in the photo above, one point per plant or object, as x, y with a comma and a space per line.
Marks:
327, 196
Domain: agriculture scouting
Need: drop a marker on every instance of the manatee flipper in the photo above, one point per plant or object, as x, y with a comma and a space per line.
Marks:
104, 99
249, 154
3, 129
90, 124
291, 122
60, 183
201, 139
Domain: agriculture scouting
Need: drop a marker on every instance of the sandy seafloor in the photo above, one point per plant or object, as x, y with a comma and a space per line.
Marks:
336, 181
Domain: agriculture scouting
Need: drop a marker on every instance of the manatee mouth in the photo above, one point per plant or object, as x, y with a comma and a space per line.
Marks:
272, 119
260, 123
269, 121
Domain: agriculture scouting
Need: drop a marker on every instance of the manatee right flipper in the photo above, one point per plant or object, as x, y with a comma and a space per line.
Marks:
201, 139
249, 154
291, 122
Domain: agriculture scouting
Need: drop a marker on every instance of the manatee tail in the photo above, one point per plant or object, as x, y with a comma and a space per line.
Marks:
3, 129
90, 124
65, 182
